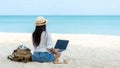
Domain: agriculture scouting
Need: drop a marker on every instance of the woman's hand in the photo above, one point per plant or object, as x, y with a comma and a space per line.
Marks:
54, 51
57, 50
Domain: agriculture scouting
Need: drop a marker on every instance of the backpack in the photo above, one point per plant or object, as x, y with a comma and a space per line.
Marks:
21, 54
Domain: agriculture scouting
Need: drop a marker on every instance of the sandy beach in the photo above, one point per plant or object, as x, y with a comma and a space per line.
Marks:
84, 51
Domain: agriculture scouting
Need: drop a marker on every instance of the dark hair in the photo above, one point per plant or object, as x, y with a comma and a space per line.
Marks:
36, 36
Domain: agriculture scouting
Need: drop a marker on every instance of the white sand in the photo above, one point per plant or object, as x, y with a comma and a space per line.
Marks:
84, 51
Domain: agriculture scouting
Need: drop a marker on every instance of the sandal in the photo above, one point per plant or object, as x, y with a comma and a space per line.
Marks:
60, 61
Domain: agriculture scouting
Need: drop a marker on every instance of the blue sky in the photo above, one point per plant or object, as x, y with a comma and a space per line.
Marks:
59, 7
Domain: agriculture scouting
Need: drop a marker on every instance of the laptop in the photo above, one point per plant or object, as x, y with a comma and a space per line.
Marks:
61, 44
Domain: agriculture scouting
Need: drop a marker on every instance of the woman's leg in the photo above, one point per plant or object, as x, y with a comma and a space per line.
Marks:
57, 54
57, 60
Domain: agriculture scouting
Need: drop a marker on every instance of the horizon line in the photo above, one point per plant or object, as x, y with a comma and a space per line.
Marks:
53, 15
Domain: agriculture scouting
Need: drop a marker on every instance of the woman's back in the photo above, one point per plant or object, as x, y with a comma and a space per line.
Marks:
46, 42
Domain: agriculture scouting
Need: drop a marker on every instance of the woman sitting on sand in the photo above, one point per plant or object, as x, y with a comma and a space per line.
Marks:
43, 47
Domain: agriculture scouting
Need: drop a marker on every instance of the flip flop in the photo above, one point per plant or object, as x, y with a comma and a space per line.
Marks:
60, 61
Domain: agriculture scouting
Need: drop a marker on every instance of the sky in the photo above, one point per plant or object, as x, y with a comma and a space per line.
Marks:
59, 7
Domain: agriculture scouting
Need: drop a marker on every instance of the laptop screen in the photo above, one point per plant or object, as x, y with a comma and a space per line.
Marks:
61, 44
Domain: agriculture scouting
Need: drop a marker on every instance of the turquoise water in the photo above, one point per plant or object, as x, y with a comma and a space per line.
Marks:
109, 25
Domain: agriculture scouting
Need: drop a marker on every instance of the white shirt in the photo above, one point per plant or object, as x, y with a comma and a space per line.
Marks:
46, 43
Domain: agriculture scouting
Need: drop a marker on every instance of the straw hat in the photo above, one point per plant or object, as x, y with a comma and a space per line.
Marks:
40, 21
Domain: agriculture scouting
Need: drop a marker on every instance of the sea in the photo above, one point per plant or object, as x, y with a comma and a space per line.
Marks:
63, 24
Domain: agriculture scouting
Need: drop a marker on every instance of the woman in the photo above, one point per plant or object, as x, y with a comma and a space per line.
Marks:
43, 47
